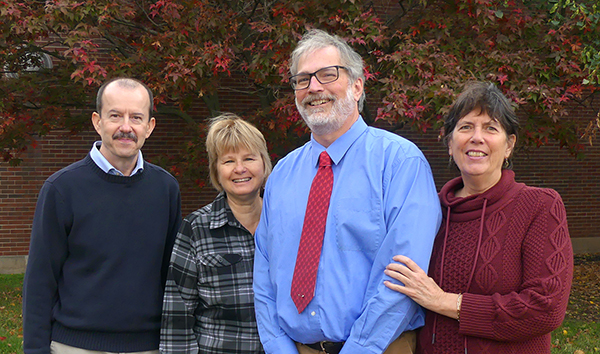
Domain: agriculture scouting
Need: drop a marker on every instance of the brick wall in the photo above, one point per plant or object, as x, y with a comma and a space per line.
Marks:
578, 181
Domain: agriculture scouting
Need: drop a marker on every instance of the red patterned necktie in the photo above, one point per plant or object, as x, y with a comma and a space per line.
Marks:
311, 241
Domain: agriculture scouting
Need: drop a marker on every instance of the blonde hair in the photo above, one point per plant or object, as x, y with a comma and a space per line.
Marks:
228, 132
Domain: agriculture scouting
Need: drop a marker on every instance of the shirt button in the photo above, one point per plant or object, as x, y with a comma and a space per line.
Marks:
313, 313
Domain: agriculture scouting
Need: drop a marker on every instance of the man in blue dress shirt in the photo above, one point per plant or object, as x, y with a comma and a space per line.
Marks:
383, 203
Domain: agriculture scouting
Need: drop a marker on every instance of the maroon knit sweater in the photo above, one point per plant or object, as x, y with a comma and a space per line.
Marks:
509, 252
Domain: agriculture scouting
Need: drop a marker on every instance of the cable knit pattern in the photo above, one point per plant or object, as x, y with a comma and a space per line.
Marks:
519, 280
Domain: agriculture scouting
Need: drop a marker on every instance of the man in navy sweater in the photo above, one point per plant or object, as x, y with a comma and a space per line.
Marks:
101, 239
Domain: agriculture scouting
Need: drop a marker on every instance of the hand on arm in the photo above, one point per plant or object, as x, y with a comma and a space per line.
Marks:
417, 285
412, 217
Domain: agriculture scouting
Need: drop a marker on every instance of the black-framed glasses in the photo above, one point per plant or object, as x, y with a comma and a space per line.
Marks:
324, 76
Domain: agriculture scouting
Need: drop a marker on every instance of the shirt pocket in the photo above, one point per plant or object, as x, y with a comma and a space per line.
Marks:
224, 280
358, 224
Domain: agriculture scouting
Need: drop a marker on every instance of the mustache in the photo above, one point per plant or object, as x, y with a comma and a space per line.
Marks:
318, 96
122, 135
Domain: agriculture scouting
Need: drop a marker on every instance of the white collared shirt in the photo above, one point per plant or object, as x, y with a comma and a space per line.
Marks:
106, 166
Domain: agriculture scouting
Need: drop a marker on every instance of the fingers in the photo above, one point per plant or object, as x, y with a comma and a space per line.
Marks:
395, 287
397, 267
396, 275
408, 262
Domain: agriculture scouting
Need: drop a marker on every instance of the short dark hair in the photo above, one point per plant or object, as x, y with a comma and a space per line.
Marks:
125, 82
488, 99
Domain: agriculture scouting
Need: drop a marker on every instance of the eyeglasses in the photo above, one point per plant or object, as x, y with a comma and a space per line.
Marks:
324, 76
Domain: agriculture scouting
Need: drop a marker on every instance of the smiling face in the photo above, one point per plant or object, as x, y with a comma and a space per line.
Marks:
124, 124
327, 108
479, 145
241, 173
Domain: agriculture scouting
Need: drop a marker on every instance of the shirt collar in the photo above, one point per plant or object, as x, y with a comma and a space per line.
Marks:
106, 166
221, 214
340, 146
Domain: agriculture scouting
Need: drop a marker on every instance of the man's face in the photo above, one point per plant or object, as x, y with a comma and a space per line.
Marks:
326, 107
124, 124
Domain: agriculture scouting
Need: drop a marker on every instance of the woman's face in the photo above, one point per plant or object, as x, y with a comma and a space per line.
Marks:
241, 173
479, 145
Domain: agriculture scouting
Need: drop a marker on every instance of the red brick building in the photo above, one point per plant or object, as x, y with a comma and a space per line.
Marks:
578, 181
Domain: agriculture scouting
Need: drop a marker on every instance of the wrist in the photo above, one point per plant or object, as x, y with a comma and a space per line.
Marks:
458, 306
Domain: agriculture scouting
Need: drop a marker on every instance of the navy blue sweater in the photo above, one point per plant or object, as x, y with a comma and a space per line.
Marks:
100, 247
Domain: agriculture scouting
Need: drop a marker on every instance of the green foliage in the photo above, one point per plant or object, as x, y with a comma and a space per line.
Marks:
584, 18
418, 54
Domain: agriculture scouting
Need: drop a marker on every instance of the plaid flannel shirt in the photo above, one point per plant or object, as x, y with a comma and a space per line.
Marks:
209, 303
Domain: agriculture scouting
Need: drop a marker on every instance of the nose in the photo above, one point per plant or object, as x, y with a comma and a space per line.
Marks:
314, 85
126, 126
477, 136
239, 167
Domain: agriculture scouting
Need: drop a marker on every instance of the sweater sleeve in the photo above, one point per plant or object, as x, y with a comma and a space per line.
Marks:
47, 253
174, 224
539, 306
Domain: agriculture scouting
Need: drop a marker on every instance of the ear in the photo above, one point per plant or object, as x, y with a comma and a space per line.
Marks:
358, 88
151, 125
96, 122
510, 145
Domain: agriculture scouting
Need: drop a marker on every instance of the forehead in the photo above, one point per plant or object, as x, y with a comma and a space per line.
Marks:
318, 59
120, 98
240, 149
477, 116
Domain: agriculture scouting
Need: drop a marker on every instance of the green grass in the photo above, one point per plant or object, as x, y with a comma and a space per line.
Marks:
575, 336
11, 321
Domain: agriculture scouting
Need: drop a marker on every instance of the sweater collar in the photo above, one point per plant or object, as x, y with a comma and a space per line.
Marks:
469, 208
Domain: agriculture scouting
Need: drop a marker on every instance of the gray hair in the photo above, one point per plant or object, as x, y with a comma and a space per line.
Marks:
316, 39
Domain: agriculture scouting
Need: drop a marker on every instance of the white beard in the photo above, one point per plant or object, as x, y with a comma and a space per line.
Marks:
318, 120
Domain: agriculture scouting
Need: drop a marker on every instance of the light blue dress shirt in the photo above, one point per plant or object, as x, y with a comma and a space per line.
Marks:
107, 167
384, 202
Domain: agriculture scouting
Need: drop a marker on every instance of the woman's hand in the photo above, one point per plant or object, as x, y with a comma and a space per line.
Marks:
421, 288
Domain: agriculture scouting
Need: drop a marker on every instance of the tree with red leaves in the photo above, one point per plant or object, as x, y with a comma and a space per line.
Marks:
418, 53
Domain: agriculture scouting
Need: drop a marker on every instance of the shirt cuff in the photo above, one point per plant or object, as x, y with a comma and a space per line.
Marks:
351, 347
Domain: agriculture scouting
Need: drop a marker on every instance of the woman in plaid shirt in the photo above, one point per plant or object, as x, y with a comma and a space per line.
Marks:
209, 303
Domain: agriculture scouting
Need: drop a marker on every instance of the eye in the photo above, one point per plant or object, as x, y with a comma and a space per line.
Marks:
327, 74
137, 119
302, 80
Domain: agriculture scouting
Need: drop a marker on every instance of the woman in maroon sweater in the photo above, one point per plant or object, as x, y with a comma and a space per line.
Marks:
502, 262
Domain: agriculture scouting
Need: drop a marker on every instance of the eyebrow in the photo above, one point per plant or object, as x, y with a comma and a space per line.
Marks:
132, 113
